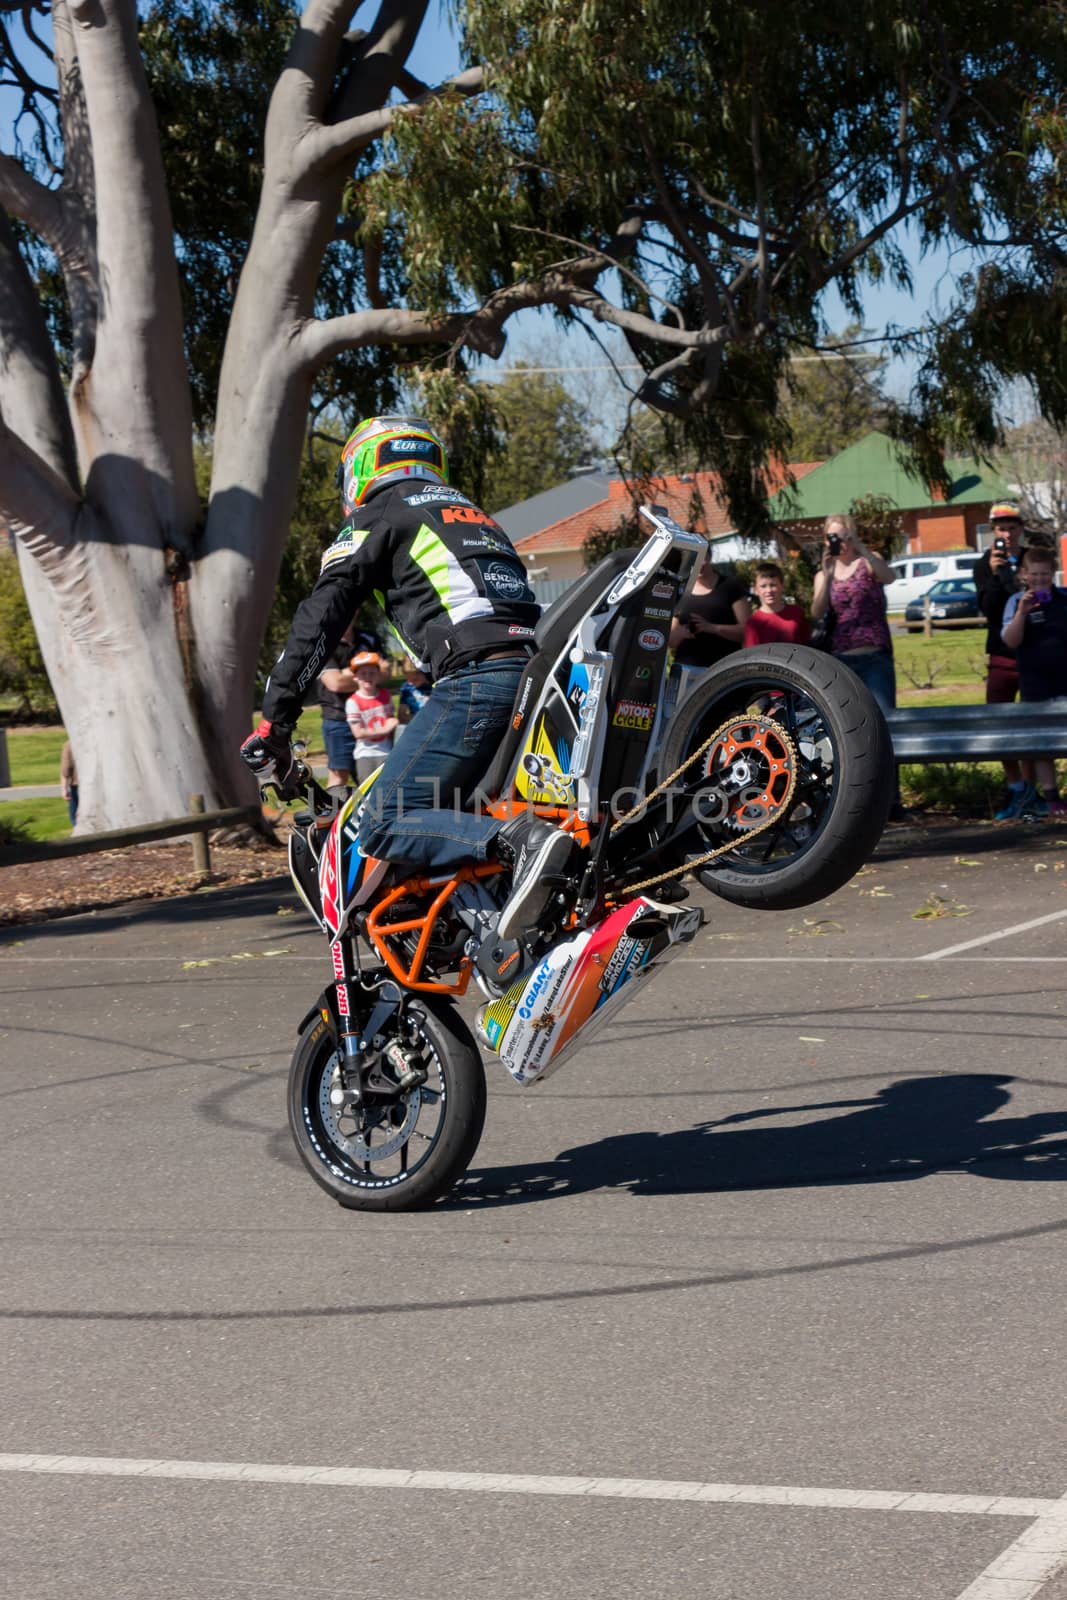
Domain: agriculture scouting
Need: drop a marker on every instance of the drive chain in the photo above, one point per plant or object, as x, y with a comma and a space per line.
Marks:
732, 844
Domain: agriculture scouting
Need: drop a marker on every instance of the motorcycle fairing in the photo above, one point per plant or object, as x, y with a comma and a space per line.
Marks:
347, 877
582, 982
608, 672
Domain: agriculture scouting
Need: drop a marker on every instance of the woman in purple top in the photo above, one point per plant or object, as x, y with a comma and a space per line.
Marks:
852, 580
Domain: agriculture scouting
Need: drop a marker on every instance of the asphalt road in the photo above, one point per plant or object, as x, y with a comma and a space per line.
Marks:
760, 1298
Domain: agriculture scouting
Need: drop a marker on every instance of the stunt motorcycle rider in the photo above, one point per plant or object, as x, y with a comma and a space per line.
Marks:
456, 597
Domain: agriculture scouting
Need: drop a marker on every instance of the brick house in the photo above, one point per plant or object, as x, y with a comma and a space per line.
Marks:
929, 520
554, 553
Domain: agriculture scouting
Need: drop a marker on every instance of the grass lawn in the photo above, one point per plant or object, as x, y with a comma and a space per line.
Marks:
33, 754
34, 819
947, 670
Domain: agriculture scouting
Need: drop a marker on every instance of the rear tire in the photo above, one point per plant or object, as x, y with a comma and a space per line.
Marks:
418, 1146
844, 784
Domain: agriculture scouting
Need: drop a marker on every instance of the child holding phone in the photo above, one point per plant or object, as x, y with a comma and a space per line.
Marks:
1035, 627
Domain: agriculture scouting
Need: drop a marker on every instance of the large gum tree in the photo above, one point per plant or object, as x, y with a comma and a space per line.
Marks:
150, 613
694, 176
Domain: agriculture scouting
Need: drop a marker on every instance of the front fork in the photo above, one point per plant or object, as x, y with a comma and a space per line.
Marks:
364, 1045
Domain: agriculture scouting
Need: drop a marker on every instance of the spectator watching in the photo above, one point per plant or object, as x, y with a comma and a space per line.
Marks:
336, 683
369, 710
1035, 627
68, 781
852, 580
414, 693
713, 623
995, 580
777, 621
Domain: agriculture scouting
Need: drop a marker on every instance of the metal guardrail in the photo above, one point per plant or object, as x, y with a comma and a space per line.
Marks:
199, 823
979, 733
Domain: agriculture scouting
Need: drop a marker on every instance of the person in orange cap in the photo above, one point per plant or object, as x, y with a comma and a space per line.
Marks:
369, 713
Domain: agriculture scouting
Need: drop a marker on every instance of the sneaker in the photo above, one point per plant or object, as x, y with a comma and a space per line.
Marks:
1021, 800
535, 851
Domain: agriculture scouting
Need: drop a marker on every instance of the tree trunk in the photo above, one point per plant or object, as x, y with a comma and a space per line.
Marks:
127, 702
150, 624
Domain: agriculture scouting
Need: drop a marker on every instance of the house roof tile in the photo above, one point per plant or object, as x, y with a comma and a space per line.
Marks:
871, 466
676, 492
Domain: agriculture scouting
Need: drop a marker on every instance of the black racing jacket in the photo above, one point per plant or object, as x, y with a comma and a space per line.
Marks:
446, 576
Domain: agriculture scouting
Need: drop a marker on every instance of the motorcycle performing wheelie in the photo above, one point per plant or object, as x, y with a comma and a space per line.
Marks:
771, 779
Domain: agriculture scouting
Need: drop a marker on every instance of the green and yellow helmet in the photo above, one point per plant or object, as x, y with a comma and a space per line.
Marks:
386, 449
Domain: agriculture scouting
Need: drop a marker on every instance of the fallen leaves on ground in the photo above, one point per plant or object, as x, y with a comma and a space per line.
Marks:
939, 905
816, 927
37, 891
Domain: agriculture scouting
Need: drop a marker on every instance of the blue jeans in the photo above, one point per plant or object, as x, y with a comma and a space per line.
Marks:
414, 813
337, 737
875, 668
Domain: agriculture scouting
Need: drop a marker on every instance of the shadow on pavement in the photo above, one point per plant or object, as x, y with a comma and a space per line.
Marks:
228, 901
932, 837
913, 1127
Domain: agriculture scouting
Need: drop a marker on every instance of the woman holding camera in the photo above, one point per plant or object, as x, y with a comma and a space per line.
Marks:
852, 582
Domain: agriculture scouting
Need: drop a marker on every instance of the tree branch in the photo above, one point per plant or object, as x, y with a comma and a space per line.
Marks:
306, 81
318, 341
36, 501
139, 338
31, 389
38, 207
342, 141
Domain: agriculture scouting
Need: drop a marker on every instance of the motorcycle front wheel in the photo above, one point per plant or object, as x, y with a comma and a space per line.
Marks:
843, 784
390, 1154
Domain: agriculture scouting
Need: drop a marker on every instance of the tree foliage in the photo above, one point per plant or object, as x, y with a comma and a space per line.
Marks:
1034, 462
542, 436
831, 400
22, 669
698, 175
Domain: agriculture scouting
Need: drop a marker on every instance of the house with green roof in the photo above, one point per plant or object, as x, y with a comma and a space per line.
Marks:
929, 520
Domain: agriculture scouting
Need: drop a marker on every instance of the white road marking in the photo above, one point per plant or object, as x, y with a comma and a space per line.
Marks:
1022, 1570
989, 938
755, 1494
861, 961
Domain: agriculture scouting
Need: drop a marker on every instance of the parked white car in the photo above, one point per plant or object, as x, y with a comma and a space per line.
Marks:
916, 574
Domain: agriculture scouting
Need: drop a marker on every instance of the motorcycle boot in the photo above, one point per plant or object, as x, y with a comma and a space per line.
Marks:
539, 856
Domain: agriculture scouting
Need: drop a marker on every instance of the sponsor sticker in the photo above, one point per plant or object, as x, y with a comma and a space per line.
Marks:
656, 613
503, 579
651, 639
642, 672
437, 497
619, 964
533, 992
346, 544
469, 513
663, 591
634, 714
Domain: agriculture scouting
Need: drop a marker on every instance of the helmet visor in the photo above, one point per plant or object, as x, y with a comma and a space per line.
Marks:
395, 452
